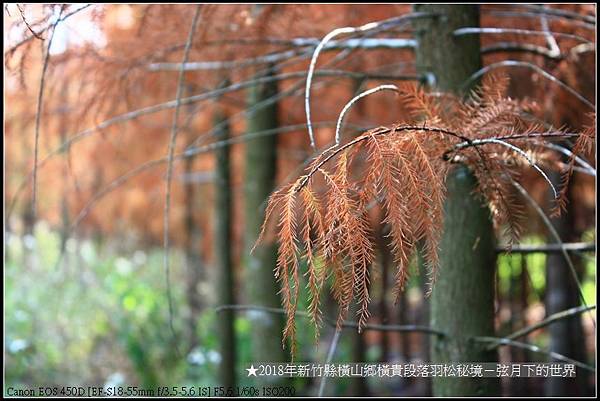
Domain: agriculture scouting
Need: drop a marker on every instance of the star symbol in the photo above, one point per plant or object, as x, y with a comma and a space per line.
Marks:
251, 371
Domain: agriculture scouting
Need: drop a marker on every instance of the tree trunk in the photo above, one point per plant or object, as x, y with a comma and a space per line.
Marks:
195, 271
423, 319
63, 258
261, 163
358, 384
462, 302
223, 265
193, 259
518, 300
383, 305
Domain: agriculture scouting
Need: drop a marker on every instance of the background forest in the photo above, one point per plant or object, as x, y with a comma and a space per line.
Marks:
142, 143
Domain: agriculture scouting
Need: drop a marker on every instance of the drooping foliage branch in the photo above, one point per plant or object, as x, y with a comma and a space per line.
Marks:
324, 217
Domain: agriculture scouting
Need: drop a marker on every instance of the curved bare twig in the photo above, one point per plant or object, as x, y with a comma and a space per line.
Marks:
521, 153
171, 151
354, 100
331, 35
544, 73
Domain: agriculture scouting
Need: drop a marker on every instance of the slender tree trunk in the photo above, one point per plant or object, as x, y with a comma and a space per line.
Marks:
383, 305
358, 384
524, 303
518, 302
193, 239
424, 320
261, 163
224, 274
403, 319
27, 217
64, 203
462, 302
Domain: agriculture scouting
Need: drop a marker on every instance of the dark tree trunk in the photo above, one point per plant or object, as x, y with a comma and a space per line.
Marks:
383, 305
195, 271
424, 320
518, 305
223, 264
261, 164
358, 385
462, 302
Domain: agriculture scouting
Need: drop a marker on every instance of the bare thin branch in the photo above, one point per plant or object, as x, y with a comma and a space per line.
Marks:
38, 118
536, 15
366, 44
34, 33
549, 248
527, 136
311, 69
332, 323
554, 233
332, 347
376, 132
587, 167
533, 348
582, 48
523, 47
549, 320
331, 35
544, 73
539, 9
552, 44
27, 39
354, 100
171, 151
521, 153
122, 118
471, 31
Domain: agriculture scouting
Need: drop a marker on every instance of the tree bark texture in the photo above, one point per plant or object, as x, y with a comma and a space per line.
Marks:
462, 302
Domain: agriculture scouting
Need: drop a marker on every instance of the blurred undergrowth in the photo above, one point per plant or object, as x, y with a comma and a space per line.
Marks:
98, 317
